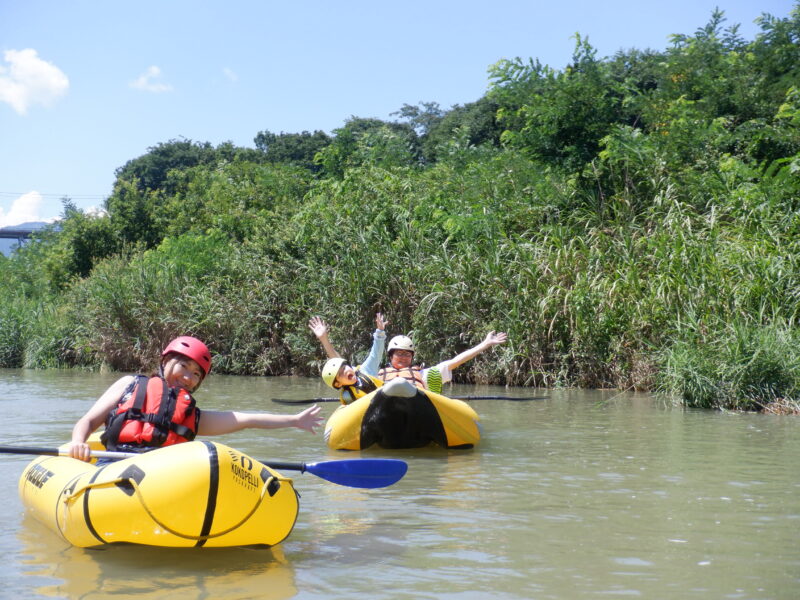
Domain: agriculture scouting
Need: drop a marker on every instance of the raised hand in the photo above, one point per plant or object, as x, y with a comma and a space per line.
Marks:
318, 326
492, 339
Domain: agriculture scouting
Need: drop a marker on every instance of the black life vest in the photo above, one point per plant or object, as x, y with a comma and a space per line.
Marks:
364, 385
151, 414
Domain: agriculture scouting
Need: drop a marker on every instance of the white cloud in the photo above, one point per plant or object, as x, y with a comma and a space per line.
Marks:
230, 74
148, 81
96, 211
30, 80
24, 209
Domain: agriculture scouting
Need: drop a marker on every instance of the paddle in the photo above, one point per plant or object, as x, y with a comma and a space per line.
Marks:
513, 398
315, 400
357, 472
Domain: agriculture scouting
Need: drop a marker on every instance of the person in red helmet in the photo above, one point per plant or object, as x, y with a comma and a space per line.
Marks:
142, 413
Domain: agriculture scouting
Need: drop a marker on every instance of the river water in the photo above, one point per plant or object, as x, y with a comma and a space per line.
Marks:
584, 494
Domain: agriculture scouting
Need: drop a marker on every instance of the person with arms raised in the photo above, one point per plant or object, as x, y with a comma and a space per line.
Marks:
337, 373
401, 350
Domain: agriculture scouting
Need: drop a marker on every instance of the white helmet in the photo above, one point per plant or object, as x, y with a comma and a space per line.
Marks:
400, 342
331, 370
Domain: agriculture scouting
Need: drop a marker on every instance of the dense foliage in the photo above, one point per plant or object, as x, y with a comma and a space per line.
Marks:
631, 222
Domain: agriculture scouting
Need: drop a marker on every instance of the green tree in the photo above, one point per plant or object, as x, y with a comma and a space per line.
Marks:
777, 52
235, 199
369, 142
476, 122
296, 149
422, 117
558, 117
708, 69
719, 95
151, 170
136, 213
71, 247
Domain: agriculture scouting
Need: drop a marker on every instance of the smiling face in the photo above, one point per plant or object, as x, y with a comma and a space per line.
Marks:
181, 371
345, 376
401, 359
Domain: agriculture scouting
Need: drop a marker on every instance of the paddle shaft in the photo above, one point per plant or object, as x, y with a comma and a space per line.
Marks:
359, 472
316, 400
513, 398
277, 465
287, 466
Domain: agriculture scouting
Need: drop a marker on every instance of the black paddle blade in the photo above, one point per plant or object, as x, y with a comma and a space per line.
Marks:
304, 400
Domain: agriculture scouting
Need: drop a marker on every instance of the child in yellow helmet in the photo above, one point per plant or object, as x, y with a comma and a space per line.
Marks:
351, 382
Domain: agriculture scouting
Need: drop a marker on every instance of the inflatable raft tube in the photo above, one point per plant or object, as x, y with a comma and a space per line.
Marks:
399, 415
196, 494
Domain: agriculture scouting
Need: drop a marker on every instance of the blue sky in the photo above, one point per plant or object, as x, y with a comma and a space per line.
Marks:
86, 85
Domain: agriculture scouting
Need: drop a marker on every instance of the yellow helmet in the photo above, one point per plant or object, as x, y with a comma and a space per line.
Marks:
331, 370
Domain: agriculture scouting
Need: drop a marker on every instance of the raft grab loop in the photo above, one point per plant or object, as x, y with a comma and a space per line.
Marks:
270, 486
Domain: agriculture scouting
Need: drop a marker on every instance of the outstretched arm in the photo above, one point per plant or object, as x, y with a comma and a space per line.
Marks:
492, 339
220, 422
320, 329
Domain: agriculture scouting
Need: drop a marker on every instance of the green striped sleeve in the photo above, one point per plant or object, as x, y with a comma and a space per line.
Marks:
434, 380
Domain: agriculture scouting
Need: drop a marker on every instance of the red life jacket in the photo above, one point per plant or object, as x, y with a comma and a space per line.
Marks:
151, 415
412, 374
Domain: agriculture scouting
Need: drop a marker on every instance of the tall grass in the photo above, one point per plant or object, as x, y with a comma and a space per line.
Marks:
695, 296
742, 368
15, 319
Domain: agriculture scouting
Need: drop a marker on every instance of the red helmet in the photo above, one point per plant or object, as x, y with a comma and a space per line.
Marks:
191, 348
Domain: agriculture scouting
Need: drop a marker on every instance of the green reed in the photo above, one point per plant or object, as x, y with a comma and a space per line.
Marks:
676, 291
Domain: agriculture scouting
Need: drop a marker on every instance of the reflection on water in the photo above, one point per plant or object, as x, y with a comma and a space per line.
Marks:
55, 569
581, 495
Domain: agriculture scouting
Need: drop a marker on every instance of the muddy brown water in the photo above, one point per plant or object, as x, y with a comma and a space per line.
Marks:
586, 494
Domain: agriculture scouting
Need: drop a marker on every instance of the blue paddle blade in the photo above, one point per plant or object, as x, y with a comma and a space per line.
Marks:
360, 472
